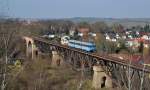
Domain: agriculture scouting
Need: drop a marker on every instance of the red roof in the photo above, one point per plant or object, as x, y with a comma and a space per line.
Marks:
144, 33
137, 39
147, 42
147, 59
140, 40
136, 58
133, 58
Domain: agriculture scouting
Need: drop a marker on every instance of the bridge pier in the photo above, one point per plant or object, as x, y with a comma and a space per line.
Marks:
30, 47
100, 79
56, 59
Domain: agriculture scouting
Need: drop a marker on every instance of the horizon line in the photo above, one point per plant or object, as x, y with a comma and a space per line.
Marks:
8, 17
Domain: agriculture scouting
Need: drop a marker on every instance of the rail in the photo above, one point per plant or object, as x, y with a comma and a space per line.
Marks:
100, 57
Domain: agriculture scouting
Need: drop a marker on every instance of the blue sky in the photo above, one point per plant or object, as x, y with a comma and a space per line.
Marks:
79, 8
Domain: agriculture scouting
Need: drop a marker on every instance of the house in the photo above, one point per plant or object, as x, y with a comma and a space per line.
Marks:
92, 34
113, 40
110, 37
146, 37
49, 36
107, 36
128, 32
146, 43
132, 42
124, 37
117, 36
137, 33
130, 36
80, 34
84, 31
72, 31
137, 41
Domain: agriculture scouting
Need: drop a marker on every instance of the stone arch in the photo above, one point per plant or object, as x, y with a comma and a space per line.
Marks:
29, 46
36, 53
103, 84
100, 78
29, 43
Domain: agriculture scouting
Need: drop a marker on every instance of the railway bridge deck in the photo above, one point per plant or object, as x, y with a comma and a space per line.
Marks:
124, 72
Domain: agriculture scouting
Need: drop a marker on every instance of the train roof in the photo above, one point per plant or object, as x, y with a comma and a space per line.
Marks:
81, 42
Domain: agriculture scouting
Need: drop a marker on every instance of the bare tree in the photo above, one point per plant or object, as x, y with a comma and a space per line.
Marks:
7, 34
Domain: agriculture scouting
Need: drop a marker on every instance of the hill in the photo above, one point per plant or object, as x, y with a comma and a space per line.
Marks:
124, 21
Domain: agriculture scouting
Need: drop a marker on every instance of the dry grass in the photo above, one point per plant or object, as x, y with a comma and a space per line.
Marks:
40, 75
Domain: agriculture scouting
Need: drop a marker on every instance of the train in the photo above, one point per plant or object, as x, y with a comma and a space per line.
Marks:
84, 46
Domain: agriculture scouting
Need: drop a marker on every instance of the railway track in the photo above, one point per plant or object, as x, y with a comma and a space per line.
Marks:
99, 56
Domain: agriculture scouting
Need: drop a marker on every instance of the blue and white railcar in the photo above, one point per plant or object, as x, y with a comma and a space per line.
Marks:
86, 46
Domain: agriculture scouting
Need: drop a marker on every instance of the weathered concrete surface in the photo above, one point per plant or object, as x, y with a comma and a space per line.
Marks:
57, 60
30, 47
100, 79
